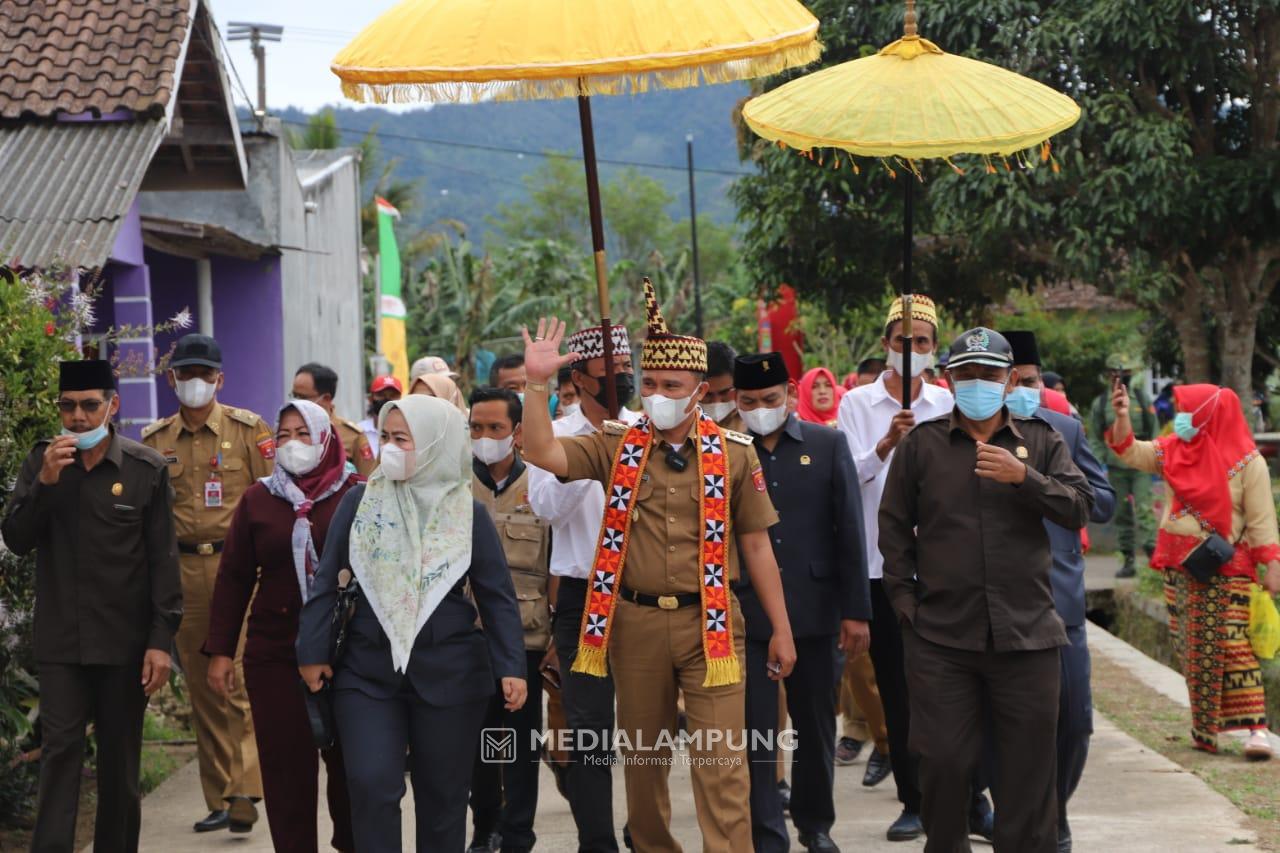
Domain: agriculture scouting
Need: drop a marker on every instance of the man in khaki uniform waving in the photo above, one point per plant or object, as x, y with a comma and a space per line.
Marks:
683, 499
214, 452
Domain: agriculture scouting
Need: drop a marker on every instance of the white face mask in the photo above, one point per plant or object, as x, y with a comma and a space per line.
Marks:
665, 412
570, 409
194, 393
491, 451
719, 411
396, 463
919, 363
763, 421
297, 457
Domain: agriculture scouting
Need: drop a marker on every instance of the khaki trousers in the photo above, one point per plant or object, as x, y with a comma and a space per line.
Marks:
225, 744
860, 703
653, 652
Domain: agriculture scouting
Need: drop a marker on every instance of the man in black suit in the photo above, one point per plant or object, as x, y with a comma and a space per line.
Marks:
1075, 705
821, 551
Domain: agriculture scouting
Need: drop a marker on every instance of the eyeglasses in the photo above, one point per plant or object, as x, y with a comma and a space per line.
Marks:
296, 396
89, 407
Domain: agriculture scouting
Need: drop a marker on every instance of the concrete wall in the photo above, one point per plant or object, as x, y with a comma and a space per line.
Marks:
321, 278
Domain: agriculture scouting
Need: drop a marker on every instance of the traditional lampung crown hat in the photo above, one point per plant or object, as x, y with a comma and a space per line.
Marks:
589, 342
665, 351
922, 308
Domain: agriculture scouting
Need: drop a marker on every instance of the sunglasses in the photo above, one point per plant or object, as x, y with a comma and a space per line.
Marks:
89, 407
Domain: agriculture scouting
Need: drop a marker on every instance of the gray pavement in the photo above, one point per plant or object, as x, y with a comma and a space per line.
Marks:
1131, 799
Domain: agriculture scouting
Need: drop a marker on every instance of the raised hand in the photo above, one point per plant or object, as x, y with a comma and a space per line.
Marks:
60, 453
542, 359
1120, 399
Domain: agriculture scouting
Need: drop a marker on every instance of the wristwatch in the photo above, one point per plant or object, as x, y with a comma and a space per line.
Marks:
537, 386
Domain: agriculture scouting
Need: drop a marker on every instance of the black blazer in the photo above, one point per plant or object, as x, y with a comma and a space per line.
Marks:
819, 541
1067, 576
453, 662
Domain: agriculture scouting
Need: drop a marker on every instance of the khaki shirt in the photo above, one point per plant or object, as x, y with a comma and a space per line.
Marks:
232, 449
359, 453
734, 422
526, 543
664, 554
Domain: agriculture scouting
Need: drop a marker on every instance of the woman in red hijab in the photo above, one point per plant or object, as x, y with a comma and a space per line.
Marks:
279, 528
819, 397
1217, 483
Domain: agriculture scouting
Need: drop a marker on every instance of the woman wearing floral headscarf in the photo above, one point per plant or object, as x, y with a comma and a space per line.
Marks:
274, 545
1219, 484
417, 672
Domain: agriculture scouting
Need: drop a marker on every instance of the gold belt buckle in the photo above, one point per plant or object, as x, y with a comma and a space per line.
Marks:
668, 602
204, 549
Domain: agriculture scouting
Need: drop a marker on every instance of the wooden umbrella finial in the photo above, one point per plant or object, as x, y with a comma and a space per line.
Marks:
909, 25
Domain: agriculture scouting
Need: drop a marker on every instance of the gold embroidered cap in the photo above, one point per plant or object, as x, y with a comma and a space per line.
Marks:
664, 351
922, 308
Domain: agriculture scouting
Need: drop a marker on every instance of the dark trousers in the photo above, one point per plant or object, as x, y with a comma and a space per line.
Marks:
588, 707
891, 678
504, 797
290, 762
951, 692
70, 697
1075, 717
811, 705
441, 743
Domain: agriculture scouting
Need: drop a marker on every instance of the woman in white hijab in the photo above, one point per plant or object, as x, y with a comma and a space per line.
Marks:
416, 672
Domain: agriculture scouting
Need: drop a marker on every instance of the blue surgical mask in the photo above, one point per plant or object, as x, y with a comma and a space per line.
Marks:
91, 439
1023, 401
979, 399
1183, 428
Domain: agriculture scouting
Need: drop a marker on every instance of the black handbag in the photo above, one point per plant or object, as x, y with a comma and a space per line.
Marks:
319, 704
1208, 558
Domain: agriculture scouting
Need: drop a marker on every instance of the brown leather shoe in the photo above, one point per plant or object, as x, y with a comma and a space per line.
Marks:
243, 814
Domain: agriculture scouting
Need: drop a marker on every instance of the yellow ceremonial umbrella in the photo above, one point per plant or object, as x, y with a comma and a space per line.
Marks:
473, 50
912, 101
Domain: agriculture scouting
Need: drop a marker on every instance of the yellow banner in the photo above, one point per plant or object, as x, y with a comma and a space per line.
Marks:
394, 349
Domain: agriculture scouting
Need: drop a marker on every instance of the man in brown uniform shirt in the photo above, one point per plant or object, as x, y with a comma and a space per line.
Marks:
658, 628
97, 510
966, 567
319, 384
213, 452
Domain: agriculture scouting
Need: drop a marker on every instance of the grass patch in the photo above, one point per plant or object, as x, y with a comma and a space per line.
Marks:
1165, 727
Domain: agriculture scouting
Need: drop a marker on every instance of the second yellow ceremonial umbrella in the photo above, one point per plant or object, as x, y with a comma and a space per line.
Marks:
473, 50
912, 101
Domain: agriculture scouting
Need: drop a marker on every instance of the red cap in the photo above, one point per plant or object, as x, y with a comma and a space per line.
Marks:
382, 383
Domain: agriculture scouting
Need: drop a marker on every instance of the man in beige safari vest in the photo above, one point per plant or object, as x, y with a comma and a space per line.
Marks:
213, 452
504, 795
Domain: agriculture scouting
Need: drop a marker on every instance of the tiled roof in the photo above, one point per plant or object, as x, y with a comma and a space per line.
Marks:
75, 56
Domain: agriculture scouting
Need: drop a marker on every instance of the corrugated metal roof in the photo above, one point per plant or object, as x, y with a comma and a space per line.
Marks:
65, 188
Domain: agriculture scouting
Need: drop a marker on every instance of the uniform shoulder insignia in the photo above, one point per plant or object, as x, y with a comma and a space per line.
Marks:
737, 437
152, 428
244, 416
615, 428
143, 452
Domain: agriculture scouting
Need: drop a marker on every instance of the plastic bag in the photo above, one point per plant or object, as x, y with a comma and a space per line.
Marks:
1264, 624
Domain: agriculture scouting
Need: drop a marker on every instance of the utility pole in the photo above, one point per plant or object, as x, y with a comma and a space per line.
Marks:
693, 228
256, 34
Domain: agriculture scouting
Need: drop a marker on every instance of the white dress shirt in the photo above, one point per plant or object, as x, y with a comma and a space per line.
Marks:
574, 510
864, 417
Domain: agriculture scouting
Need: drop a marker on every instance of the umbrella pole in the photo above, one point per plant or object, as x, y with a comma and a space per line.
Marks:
597, 248
907, 238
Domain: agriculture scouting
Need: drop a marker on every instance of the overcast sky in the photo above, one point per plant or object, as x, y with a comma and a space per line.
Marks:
298, 67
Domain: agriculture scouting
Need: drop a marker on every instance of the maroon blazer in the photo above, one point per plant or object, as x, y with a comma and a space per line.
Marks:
259, 539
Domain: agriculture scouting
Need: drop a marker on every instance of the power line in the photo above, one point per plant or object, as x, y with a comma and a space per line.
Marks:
478, 146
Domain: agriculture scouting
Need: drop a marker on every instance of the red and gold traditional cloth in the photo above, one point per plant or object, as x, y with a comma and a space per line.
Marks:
611, 553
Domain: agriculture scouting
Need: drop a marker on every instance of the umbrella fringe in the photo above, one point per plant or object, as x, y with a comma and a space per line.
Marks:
371, 91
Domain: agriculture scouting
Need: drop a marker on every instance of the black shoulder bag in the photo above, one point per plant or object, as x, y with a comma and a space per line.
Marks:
320, 703
1208, 558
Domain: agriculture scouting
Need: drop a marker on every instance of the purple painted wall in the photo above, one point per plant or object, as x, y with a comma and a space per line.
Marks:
248, 322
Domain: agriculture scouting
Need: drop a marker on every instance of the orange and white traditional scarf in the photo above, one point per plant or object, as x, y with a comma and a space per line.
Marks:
611, 553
